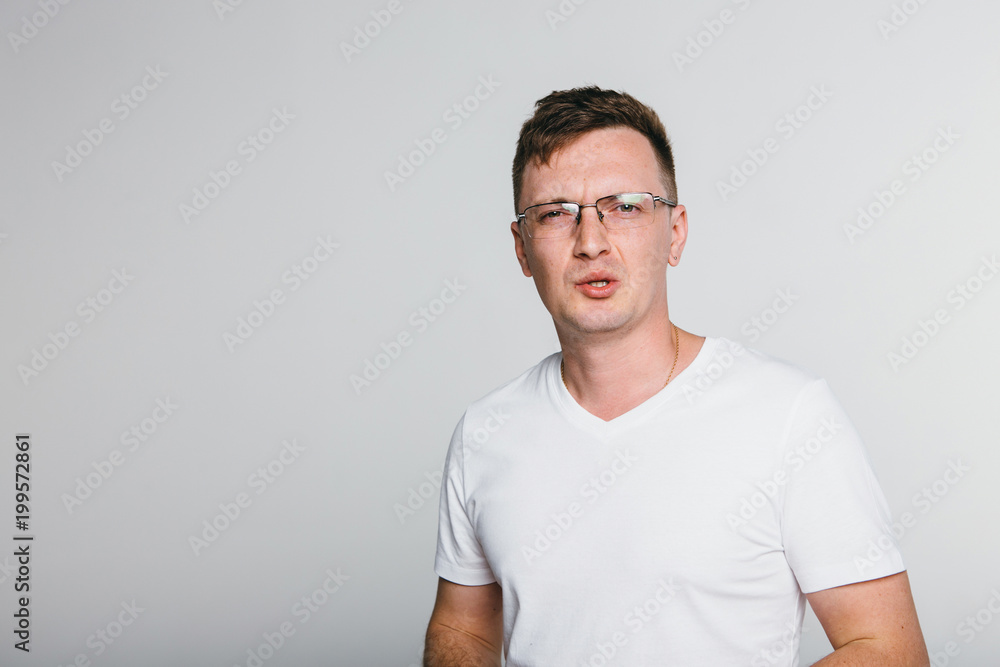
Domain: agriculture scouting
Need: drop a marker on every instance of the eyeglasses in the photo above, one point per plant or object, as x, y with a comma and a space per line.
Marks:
557, 219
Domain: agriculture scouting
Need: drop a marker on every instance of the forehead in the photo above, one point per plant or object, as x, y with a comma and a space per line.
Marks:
598, 163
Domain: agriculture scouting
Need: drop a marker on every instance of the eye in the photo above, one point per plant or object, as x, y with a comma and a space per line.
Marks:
626, 209
627, 206
556, 213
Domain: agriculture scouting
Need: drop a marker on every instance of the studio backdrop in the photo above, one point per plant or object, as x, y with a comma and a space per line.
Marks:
256, 261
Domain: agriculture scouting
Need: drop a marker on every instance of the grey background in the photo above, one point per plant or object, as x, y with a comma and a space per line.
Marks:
337, 505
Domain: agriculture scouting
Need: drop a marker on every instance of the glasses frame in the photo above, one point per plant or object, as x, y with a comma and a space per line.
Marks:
522, 218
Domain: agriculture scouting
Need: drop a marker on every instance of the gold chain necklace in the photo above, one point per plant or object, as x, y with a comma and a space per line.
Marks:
677, 349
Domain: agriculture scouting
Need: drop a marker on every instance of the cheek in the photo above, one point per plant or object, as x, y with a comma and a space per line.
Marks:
647, 260
548, 270
548, 273
544, 260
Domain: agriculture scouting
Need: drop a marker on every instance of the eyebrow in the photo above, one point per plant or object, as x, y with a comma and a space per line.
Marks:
556, 199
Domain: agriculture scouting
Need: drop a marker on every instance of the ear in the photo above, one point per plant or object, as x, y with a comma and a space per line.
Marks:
519, 250
678, 234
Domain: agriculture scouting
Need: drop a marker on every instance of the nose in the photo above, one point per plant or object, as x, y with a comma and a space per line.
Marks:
591, 239
600, 216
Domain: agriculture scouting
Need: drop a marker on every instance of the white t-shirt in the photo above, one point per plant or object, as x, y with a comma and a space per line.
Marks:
683, 532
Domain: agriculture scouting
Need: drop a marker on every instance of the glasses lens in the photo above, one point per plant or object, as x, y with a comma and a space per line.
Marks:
627, 210
551, 220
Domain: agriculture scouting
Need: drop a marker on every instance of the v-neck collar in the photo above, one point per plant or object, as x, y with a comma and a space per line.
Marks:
576, 413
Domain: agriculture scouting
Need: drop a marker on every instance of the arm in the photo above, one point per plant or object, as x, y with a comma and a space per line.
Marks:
871, 623
466, 626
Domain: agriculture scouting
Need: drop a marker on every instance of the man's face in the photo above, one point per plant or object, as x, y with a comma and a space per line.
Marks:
600, 163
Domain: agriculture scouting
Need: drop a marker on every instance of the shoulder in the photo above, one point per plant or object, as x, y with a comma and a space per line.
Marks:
729, 366
529, 389
727, 352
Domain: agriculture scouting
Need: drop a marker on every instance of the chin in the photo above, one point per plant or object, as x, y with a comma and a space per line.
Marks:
598, 322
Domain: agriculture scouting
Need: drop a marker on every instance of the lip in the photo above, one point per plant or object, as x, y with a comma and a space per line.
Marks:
597, 274
589, 290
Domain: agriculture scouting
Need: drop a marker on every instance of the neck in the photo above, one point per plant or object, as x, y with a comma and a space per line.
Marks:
610, 373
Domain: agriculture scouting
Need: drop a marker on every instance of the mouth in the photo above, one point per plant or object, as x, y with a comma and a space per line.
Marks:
596, 276
599, 286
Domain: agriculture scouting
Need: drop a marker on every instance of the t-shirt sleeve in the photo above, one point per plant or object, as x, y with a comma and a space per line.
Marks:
460, 558
836, 523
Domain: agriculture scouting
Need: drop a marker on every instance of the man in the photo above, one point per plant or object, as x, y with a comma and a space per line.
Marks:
649, 496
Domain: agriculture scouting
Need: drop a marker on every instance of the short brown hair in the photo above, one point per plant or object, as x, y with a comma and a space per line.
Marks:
563, 116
